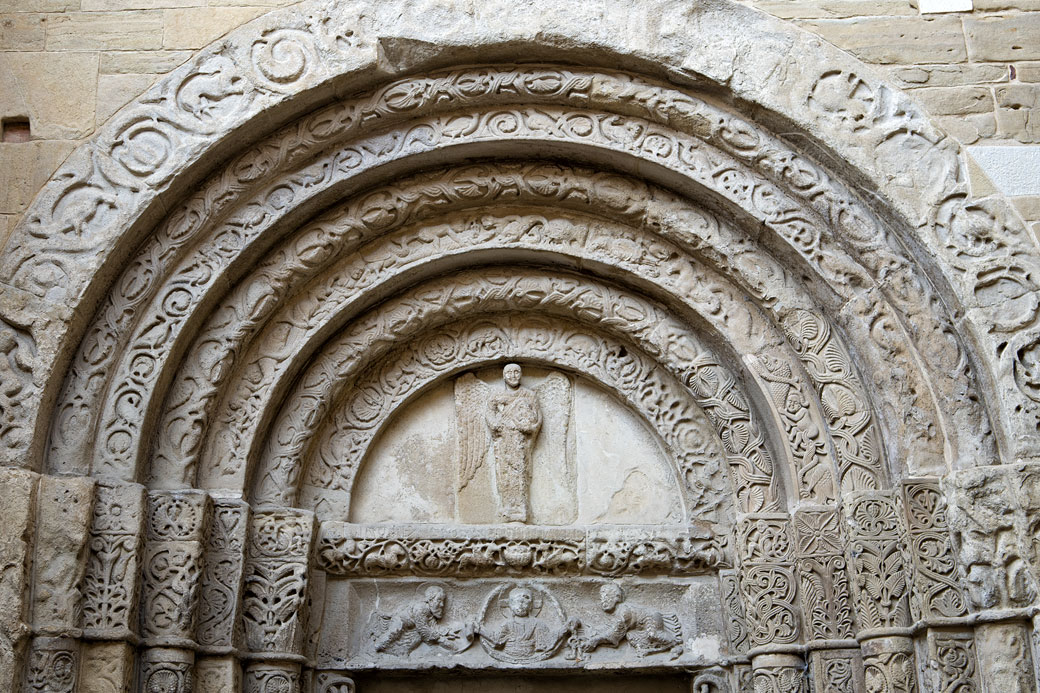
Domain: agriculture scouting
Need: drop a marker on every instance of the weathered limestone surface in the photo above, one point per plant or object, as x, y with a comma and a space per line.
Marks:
379, 339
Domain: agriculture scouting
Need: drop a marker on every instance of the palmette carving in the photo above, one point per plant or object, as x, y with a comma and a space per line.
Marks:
880, 570
275, 583
733, 611
823, 575
937, 591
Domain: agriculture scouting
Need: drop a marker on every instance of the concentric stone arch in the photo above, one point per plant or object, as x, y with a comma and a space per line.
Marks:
888, 242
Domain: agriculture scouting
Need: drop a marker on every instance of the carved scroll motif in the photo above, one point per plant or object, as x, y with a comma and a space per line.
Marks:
767, 580
373, 551
823, 575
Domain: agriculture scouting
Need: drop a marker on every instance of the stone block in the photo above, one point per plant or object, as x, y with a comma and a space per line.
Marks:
22, 32
962, 75
834, 9
115, 91
969, 129
141, 62
954, 100
63, 525
16, 524
998, 5
1029, 207
1014, 37
106, 667
901, 40
1027, 72
200, 26
88, 31
123, 5
217, 674
56, 92
25, 167
1018, 111
38, 5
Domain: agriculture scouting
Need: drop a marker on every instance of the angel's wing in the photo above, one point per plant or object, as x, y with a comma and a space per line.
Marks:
554, 398
471, 397
671, 622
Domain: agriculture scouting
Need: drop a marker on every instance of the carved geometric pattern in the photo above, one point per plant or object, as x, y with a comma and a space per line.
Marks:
823, 576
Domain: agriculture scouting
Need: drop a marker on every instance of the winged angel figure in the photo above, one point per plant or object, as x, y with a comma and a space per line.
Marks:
507, 422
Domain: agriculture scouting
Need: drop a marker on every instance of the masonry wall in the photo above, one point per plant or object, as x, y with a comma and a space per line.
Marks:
68, 65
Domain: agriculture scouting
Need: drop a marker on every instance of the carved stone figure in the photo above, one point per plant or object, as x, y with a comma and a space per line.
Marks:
648, 631
523, 635
514, 419
416, 623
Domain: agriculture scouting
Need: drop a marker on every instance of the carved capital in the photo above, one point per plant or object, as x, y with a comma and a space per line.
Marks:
111, 583
878, 560
275, 584
223, 566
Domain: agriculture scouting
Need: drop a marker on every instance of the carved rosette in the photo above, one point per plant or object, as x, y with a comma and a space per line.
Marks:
275, 585
334, 682
53, 665
110, 585
888, 665
167, 670
822, 575
264, 677
778, 674
767, 580
223, 566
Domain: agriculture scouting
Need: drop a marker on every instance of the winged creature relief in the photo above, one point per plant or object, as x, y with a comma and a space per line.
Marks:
507, 424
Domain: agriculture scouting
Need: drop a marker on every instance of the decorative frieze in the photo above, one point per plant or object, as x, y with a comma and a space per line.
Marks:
376, 550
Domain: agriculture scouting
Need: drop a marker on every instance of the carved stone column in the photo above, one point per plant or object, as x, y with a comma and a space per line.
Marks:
217, 668
274, 595
768, 588
991, 531
64, 510
176, 526
111, 586
17, 515
880, 588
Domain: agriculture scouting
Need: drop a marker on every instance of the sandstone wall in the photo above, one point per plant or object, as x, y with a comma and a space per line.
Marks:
68, 65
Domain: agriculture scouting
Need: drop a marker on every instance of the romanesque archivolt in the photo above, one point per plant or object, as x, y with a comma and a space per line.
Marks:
392, 390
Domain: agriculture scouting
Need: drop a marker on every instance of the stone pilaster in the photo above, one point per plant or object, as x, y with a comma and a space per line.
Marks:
17, 521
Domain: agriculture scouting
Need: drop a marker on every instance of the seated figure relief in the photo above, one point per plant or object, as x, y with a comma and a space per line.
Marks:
401, 632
